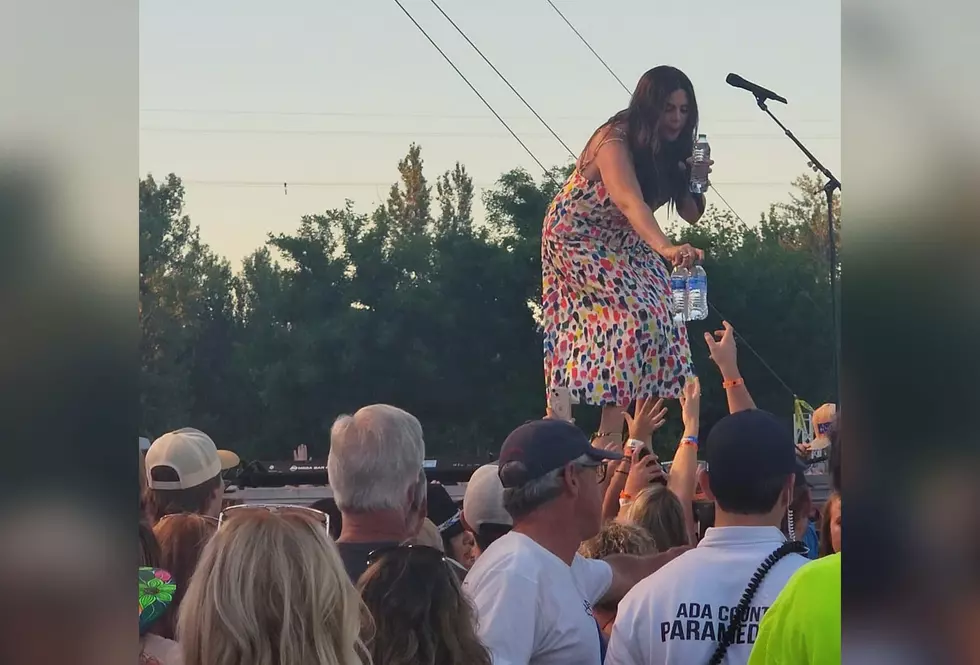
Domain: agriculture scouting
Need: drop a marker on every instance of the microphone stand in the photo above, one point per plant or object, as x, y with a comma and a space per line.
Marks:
832, 184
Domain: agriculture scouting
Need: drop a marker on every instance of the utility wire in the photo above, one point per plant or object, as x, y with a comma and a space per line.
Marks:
528, 150
742, 341
623, 85
475, 91
502, 77
589, 46
354, 183
161, 129
375, 114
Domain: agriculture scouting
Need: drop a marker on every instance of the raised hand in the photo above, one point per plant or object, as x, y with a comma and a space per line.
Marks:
643, 472
691, 406
723, 351
649, 416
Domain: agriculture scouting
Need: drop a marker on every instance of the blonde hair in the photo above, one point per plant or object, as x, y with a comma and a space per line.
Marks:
271, 589
659, 511
429, 535
618, 538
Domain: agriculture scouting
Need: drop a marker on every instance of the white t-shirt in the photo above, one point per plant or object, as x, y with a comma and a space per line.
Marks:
534, 609
675, 616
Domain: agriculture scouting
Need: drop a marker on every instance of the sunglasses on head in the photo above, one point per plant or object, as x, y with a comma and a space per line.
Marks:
410, 550
207, 518
309, 514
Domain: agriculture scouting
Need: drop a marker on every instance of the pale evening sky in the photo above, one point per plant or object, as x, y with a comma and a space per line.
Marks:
239, 96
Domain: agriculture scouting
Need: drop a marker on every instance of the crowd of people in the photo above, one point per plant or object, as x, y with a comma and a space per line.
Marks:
566, 550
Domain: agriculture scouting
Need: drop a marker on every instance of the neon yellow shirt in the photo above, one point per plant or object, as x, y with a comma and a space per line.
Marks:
803, 626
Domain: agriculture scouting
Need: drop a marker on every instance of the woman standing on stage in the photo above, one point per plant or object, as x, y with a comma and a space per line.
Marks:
610, 337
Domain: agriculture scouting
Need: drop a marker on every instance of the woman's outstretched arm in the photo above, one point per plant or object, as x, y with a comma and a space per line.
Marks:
619, 177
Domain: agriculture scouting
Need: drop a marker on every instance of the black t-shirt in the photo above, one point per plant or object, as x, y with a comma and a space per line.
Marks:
355, 556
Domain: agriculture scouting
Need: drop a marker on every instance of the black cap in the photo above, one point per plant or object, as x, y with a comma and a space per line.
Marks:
540, 446
443, 511
748, 447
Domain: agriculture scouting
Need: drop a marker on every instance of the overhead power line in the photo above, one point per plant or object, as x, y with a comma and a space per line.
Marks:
420, 115
502, 78
741, 340
628, 91
406, 132
471, 86
546, 171
589, 46
343, 183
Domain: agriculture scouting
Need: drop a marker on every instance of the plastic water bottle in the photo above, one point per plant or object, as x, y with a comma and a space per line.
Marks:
678, 288
699, 169
697, 294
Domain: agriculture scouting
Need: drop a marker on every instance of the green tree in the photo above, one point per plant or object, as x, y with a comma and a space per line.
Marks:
186, 316
806, 212
770, 281
435, 314
455, 191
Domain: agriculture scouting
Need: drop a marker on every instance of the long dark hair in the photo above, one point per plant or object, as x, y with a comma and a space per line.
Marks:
421, 616
656, 161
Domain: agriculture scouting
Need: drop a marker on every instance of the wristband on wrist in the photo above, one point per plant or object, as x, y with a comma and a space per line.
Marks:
633, 444
690, 440
732, 383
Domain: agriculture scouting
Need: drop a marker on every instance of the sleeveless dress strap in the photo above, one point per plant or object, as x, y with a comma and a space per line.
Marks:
614, 134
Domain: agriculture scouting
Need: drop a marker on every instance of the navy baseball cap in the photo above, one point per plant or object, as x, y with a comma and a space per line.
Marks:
540, 446
750, 446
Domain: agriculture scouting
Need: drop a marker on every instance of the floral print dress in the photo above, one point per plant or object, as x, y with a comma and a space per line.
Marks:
609, 334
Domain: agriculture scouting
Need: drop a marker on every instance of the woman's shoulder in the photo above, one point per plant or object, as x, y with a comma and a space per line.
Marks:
156, 650
614, 130
610, 133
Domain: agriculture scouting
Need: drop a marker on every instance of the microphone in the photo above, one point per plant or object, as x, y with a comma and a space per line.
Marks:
760, 93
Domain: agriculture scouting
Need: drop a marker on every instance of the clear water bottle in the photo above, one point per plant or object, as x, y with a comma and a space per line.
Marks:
678, 288
697, 294
699, 166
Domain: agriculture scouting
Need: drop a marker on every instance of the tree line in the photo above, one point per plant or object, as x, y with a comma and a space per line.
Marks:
418, 306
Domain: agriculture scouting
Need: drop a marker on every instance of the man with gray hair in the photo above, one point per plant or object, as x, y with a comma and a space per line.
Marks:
532, 591
375, 471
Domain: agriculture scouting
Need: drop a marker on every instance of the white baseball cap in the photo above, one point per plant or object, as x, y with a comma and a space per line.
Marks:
483, 502
191, 454
823, 420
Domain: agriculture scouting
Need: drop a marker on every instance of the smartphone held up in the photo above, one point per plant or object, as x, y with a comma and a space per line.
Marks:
560, 404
